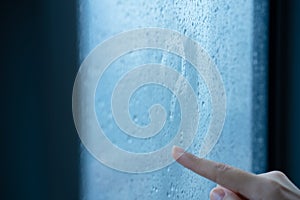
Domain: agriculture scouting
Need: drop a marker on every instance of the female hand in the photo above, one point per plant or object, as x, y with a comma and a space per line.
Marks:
235, 184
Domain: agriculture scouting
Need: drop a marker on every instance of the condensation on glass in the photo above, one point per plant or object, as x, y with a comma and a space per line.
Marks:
234, 34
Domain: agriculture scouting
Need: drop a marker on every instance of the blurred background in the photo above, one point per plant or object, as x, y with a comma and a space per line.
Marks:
39, 54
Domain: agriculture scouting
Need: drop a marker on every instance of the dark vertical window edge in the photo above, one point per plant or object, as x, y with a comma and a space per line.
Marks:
277, 85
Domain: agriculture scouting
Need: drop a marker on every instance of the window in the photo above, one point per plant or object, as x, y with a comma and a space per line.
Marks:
233, 34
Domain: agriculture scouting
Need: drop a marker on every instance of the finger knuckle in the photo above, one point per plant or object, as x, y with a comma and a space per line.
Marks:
275, 185
278, 174
222, 167
275, 188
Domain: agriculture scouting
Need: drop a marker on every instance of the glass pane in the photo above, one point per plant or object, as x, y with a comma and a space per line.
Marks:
233, 35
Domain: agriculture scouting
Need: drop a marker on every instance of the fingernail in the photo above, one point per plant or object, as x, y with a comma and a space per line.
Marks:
217, 194
177, 152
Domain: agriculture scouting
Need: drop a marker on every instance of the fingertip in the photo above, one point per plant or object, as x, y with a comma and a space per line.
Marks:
221, 193
217, 194
177, 152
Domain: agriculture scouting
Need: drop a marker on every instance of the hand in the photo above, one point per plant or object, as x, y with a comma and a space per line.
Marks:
235, 184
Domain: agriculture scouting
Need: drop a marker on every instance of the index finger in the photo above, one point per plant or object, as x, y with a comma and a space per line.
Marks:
229, 177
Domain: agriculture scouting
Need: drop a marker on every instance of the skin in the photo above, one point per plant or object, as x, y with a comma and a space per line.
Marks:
235, 184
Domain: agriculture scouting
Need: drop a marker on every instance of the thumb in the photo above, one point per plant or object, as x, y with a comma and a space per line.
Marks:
220, 193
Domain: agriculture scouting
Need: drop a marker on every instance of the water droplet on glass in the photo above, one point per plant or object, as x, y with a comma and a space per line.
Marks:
135, 119
168, 195
203, 103
172, 188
